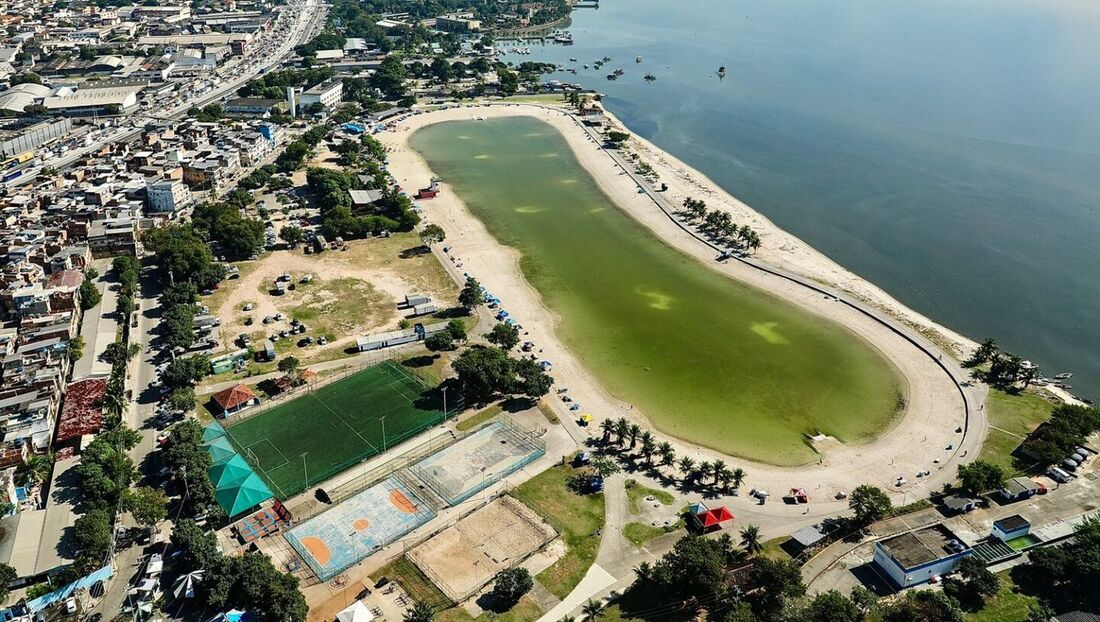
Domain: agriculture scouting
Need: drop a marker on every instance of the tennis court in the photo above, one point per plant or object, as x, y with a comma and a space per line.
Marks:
358, 527
323, 432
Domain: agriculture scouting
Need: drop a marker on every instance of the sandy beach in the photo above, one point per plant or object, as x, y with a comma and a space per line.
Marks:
924, 438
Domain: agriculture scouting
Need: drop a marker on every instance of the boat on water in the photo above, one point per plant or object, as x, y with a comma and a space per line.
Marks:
612, 76
564, 38
606, 59
1063, 376
586, 65
618, 72
637, 59
572, 60
722, 71
650, 77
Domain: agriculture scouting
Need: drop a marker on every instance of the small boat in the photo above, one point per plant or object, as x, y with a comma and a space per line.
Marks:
606, 59
1063, 376
586, 65
637, 59
722, 71
650, 77
612, 76
618, 72
572, 60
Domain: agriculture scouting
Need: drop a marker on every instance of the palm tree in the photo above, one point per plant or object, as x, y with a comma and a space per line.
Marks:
644, 571
750, 540
593, 609
607, 426
622, 428
705, 468
114, 400
725, 475
648, 446
35, 470
633, 432
687, 467
717, 469
667, 453
738, 477
754, 241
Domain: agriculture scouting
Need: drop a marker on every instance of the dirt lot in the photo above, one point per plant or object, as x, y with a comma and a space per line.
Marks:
352, 293
500, 535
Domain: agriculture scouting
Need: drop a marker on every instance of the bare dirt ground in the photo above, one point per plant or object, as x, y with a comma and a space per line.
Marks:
352, 293
500, 535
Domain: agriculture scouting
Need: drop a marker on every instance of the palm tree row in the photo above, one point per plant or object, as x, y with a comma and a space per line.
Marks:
629, 435
719, 223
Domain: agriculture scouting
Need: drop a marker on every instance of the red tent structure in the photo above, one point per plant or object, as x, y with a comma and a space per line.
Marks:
799, 495
711, 520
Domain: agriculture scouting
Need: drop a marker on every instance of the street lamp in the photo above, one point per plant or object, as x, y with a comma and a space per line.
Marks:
305, 474
383, 417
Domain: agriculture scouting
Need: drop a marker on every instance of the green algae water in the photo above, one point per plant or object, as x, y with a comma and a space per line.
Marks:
706, 358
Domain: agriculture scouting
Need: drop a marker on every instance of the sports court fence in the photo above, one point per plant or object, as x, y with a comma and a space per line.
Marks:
390, 440
422, 375
528, 441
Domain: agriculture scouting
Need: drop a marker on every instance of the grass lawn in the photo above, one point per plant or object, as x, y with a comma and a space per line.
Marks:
640, 533
479, 418
414, 583
1006, 606
526, 610
574, 516
326, 430
1011, 417
637, 493
772, 548
335, 308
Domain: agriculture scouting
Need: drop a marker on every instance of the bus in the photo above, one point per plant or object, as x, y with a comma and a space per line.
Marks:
15, 161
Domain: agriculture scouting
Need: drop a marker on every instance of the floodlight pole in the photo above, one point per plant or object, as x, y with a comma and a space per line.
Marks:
383, 418
305, 474
444, 404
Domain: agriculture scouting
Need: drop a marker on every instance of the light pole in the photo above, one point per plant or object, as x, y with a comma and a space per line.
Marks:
383, 417
305, 474
444, 404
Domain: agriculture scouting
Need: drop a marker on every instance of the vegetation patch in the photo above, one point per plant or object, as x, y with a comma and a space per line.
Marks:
415, 583
636, 494
479, 418
578, 518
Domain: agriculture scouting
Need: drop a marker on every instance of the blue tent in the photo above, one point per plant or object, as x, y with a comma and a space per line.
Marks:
212, 432
230, 473
243, 496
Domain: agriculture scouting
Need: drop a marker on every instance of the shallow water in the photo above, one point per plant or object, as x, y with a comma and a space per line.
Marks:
706, 358
948, 151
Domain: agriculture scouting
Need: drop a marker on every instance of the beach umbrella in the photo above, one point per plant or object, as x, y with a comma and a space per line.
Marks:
185, 585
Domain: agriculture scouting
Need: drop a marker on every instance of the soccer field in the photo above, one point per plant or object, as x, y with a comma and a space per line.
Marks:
329, 429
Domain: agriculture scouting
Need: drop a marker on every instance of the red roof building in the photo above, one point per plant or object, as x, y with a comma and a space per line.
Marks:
82, 410
235, 399
65, 278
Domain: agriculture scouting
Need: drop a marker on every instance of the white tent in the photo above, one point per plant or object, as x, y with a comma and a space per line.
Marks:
185, 585
355, 613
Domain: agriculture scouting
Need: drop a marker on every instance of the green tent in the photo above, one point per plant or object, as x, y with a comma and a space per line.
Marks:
244, 496
230, 473
212, 432
221, 450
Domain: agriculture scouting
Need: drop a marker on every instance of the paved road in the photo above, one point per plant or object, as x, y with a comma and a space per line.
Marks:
309, 20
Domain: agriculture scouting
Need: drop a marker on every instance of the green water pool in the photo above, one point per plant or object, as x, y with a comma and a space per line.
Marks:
706, 358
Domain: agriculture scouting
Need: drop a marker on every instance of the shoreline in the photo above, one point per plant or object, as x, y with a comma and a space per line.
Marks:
927, 425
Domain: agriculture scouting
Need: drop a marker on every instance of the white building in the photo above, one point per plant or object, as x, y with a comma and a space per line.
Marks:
328, 93
88, 101
165, 196
915, 557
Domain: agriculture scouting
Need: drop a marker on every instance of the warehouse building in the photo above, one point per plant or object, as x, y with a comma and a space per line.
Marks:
916, 556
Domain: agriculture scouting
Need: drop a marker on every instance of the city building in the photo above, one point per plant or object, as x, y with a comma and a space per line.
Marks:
167, 196
328, 94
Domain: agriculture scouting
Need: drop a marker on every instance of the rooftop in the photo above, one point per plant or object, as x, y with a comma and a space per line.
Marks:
914, 548
1011, 523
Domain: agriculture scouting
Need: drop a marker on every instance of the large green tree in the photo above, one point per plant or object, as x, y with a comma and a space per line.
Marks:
869, 503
